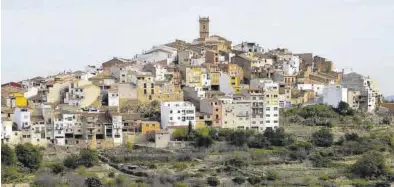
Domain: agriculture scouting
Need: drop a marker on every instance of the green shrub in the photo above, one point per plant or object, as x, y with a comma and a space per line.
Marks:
71, 161
8, 156
370, 165
88, 157
320, 160
93, 182
57, 168
213, 181
387, 120
180, 166
111, 174
272, 175
351, 136
181, 184
254, 180
239, 180
323, 137
29, 155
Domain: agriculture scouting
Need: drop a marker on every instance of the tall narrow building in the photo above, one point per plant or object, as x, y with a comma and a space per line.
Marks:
204, 27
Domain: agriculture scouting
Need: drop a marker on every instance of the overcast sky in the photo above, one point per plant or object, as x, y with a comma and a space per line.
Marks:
44, 36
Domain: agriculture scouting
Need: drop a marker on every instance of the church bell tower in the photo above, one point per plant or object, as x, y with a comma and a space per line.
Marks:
204, 27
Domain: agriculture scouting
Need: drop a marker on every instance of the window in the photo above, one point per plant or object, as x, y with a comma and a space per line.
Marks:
253, 122
267, 109
144, 92
254, 98
276, 115
267, 121
267, 96
170, 118
144, 85
267, 115
179, 111
217, 110
275, 108
261, 122
170, 111
276, 121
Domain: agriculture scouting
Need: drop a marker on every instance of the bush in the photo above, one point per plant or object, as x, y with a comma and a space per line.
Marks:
321, 160
180, 134
93, 182
57, 168
213, 181
387, 120
254, 180
351, 136
180, 166
181, 184
370, 165
323, 137
8, 156
272, 175
236, 162
29, 156
203, 141
88, 157
239, 180
238, 138
71, 161
111, 174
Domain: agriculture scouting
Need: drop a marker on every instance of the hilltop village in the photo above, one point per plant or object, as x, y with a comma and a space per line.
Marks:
208, 82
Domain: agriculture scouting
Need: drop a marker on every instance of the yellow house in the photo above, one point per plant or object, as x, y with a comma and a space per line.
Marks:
149, 90
145, 88
193, 76
20, 100
149, 126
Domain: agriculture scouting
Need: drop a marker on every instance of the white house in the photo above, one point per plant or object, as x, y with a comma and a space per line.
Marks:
177, 114
291, 66
248, 47
317, 88
6, 131
113, 97
22, 118
333, 94
117, 126
367, 87
158, 53
59, 132
31, 92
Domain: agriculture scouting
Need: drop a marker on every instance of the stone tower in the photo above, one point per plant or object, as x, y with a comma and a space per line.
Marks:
204, 27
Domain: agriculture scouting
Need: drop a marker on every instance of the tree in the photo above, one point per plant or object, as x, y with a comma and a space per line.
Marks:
93, 182
370, 165
344, 109
213, 181
190, 131
8, 156
203, 141
238, 138
29, 156
71, 161
323, 137
88, 157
